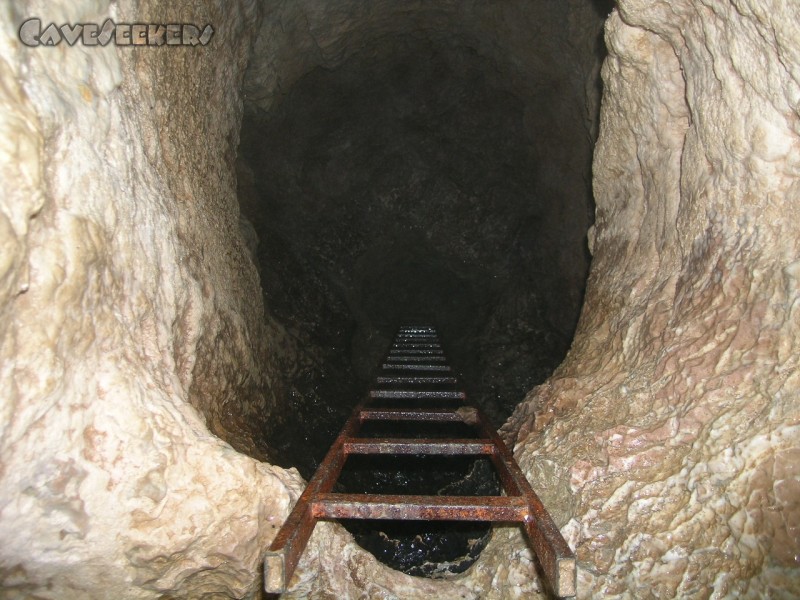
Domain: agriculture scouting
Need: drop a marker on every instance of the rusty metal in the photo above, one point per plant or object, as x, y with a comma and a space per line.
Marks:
417, 359
413, 350
388, 366
551, 549
281, 559
416, 346
416, 352
421, 508
441, 415
417, 394
427, 446
406, 380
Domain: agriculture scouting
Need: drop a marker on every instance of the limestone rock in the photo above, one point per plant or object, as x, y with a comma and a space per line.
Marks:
132, 321
140, 369
674, 418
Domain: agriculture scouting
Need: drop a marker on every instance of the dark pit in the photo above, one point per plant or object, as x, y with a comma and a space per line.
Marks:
426, 163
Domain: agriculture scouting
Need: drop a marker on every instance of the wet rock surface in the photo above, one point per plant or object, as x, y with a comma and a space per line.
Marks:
435, 550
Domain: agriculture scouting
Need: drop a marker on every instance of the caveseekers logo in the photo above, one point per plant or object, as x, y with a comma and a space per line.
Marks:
32, 34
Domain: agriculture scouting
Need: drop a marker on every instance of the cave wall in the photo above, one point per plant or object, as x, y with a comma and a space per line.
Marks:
668, 440
430, 160
132, 325
666, 445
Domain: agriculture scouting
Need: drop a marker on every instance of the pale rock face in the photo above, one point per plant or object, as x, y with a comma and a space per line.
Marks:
121, 271
666, 446
669, 438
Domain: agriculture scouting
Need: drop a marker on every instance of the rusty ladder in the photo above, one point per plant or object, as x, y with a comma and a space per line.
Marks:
415, 370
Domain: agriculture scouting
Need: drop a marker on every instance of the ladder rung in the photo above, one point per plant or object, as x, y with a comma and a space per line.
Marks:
418, 359
433, 508
426, 446
406, 380
415, 352
416, 345
415, 367
418, 394
441, 415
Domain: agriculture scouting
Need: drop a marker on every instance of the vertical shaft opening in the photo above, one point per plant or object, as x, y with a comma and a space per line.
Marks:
424, 163
428, 162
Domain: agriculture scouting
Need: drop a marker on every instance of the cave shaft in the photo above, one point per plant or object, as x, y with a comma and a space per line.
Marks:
204, 251
519, 504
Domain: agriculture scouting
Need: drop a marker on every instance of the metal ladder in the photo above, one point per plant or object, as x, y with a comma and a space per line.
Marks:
415, 371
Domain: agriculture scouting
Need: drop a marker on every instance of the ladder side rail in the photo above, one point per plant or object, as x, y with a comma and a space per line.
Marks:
553, 552
284, 552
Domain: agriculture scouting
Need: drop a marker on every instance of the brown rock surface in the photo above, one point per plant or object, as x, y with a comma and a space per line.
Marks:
671, 425
133, 338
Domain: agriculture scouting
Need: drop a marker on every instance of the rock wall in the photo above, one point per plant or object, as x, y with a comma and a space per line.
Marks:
668, 441
132, 325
